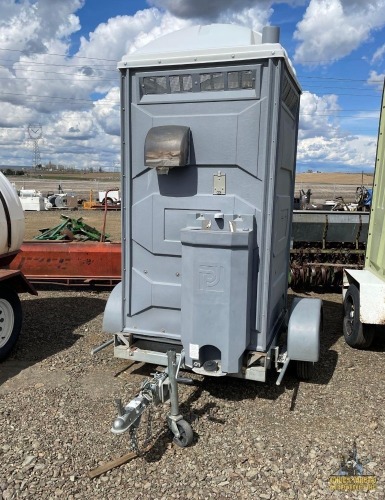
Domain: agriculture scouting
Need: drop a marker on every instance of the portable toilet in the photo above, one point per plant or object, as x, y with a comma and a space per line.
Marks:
209, 118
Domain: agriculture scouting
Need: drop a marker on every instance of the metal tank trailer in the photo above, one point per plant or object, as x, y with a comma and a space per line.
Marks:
12, 281
209, 133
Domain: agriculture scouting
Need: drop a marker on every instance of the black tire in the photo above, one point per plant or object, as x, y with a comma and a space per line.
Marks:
186, 434
108, 201
305, 370
10, 321
356, 334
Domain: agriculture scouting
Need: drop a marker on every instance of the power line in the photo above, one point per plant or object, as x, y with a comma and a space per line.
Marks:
22, 51
106, 68
344, 116
344, 87
332, 111
344, 59
98, 79
84, 78
56, 97
353, 95
115, 71
115, 61
60, 73
103, 68
55, 79
380, 80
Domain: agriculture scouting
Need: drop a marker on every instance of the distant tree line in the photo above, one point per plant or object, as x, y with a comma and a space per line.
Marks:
11, 171
66, 168
49, 168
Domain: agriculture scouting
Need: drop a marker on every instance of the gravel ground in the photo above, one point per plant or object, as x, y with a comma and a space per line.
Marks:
251, 440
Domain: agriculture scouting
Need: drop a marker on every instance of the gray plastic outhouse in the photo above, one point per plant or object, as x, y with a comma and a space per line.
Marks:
209, 134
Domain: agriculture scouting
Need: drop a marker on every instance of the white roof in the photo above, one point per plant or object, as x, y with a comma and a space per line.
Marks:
205, 44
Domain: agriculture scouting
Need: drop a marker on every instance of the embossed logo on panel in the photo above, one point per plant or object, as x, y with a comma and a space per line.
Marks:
211, 278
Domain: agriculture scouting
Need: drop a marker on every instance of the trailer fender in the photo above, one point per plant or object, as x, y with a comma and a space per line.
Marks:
113, 315
371, 287
15, 280
304, 329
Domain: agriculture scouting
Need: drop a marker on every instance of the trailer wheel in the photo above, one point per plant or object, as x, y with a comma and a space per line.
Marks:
356, 334
10, 321
305, 370
186, 434
108, 201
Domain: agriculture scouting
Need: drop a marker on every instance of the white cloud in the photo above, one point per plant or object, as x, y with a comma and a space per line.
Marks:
365, 116
77, 139
321, 139
123, 34
39, 85
317, 116
332, 29
76, 97
30, 26
255, 18
378, 55
376, 80
36, 84
208, 10
29, 33
215, 10
106, 112
75, 125
353, 151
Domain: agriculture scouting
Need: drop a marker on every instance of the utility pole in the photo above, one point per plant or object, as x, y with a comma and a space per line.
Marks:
35, 132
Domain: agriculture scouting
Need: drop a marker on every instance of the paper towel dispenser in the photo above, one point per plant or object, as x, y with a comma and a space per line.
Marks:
167, 147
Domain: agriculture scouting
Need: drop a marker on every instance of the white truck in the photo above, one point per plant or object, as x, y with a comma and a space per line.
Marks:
111, 197
12, 282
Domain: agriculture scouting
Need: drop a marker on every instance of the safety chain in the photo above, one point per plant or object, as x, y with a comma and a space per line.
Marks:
134, 444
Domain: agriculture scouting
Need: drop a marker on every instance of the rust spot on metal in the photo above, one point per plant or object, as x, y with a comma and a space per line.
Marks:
69, 262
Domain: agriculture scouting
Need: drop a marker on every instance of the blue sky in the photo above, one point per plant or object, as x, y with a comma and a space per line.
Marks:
58, 64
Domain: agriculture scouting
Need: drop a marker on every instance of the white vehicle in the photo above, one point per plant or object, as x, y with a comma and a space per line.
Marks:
12, 282
109, 197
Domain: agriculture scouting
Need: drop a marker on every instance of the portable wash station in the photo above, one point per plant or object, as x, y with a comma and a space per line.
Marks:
209, 132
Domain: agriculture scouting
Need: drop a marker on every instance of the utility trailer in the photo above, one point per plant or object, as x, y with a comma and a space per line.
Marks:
364, 290
209, 134
323, 244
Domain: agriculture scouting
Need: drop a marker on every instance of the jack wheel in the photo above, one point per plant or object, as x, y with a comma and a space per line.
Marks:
10, 321
356, 334
305, 370
186, 434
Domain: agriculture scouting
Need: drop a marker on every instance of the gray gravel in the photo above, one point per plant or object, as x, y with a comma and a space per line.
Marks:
251, 440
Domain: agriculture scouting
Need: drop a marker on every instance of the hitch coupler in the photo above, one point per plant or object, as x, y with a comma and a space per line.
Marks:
130, 414
163, 386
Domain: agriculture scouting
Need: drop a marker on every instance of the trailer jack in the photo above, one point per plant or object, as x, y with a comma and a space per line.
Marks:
163, 386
